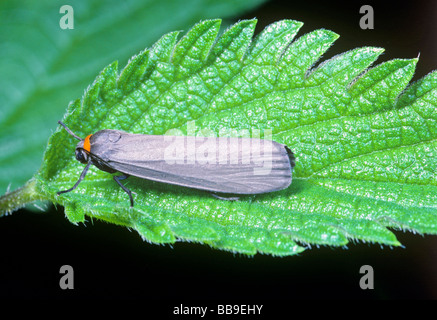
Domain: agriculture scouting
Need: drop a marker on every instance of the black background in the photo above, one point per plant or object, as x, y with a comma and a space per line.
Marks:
113, 262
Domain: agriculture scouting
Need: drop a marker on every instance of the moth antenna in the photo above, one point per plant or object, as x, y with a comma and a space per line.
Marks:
69, 131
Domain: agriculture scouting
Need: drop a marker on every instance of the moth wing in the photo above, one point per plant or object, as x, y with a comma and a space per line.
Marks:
223, 165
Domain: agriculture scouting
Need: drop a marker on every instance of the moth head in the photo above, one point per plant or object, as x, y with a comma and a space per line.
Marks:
82, 155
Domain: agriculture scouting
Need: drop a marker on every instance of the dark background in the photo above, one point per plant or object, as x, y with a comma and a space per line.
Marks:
113, 262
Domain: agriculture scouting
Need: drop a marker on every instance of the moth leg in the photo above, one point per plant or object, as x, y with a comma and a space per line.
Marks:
125, 176
225, 198
82, 176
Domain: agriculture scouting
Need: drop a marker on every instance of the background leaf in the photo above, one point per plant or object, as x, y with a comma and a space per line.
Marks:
43, 67
49, 240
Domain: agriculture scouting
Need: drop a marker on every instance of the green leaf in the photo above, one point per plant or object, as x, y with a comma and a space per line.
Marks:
364, 140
